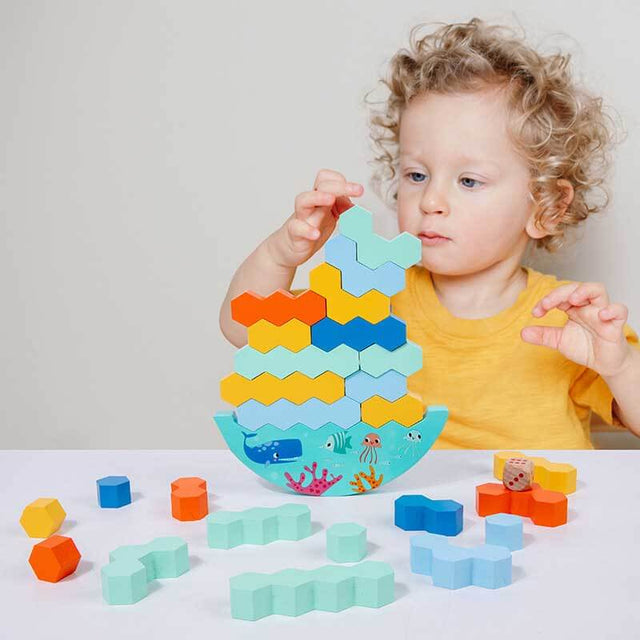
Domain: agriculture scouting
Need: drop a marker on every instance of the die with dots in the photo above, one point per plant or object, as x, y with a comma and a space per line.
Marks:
518, 474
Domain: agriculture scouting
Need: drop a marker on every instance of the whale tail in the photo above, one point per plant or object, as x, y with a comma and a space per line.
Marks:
248, 435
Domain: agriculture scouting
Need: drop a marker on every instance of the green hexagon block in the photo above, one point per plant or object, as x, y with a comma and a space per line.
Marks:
407, 359
346, 542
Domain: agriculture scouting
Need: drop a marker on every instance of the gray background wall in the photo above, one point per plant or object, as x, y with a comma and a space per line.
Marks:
147, 147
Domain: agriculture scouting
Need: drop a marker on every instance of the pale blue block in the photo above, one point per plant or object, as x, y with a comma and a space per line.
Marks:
422, 546
504, 529
451, 567
361, 386
491, 566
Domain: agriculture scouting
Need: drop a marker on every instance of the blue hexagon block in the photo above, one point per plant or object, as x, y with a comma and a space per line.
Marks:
373, 250
358, 334
419, 513
113, 492
361, 386
504, 530
357, 279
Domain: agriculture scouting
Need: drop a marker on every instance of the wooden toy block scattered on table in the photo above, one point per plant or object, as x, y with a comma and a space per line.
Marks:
260, 525
346, 542
504, 530
54, 558
390, 333
278, 308
42, 517
555, 476
293, 592
189, 499
545, 508
281, 362
113, 492
419, 513
125, 579
517, 474
456, 567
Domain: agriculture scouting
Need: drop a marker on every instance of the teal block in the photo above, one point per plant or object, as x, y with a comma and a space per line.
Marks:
125, 579
373, 250
293, 592
311, 361
124, 582
283, 414
346, 542
505, 530
406, 359
260, 525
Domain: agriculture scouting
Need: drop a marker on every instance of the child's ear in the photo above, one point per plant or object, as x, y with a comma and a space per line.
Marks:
548, 221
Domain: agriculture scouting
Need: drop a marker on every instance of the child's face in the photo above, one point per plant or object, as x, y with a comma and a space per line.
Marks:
460, 177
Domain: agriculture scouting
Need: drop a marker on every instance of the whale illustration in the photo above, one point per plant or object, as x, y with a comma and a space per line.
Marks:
275, 452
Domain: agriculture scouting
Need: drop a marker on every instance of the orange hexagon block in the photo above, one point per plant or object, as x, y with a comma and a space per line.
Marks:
54, 558
42, 517
544, 507
278, 308
189, 499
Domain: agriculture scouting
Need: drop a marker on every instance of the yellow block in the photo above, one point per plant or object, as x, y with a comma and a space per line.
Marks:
297, 388
293, 335
555, 476
42, 517
406, 411
326, 280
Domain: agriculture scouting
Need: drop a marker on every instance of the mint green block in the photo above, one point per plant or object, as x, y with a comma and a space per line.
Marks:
376, 360
335, 588
170, 555
346, 542
374, 586
292, 592
225, 530
136, 552
260, 525
124, 582
251, 597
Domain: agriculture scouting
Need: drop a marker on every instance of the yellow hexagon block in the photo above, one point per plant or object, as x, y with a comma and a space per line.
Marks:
406, 411
326, 280
293, 335
267, 388
42, 518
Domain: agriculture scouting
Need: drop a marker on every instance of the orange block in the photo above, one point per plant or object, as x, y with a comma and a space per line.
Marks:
278, 308
545, 508
54, 558
189, 499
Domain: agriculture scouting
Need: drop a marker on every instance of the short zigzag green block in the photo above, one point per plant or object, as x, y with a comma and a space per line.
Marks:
293, 592
346, 542
260, 525
125, 579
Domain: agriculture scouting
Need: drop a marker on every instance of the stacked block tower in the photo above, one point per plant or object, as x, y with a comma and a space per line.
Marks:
330, 366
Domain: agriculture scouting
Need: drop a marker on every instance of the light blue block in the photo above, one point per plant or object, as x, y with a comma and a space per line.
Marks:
357, 279
406, 359
451, 567
361, 386
283, 414
504, 529
422, 546
491, 566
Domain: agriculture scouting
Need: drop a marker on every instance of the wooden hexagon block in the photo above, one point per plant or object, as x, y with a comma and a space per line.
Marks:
54, 558
42, 517
189, 499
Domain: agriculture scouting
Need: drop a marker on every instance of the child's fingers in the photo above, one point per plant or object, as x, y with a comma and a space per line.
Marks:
543, 336
589, 293
616, 314
570, 295
306, 203
302, 230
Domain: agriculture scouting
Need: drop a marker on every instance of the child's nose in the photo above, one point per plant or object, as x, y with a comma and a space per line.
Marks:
434, 199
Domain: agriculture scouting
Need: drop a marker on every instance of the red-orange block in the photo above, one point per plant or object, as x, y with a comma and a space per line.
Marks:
54, 558
189, 499
278, 308
545, 508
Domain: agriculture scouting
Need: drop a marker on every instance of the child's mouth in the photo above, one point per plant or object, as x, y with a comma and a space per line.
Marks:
432, 239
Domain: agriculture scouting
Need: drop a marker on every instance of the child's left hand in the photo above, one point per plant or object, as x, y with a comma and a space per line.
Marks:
593, 335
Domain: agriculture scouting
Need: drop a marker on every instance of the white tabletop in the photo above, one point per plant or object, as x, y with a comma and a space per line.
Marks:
579, 580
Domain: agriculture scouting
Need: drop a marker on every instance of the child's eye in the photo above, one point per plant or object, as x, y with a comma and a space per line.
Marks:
411, 175
471, 180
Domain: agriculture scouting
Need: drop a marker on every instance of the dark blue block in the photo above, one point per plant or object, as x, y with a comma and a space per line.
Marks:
390, 333
419, 513
113, 492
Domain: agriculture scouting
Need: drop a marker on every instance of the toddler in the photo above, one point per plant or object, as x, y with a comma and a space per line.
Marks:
485, 148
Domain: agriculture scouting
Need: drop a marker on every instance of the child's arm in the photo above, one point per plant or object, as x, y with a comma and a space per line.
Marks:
273, 264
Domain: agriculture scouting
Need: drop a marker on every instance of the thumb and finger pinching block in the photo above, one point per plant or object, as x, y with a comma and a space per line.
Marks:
54, 558
419, 513
113, 492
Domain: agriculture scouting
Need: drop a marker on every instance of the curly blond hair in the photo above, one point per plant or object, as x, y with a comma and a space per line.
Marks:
558, 127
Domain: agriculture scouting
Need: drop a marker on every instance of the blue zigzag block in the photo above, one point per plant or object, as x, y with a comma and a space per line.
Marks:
357, 279
361, 386
416, 512
390, 333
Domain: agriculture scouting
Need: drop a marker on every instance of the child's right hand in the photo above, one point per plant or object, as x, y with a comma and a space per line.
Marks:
314, 219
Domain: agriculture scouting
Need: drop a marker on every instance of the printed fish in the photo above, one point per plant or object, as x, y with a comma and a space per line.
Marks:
338, 443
